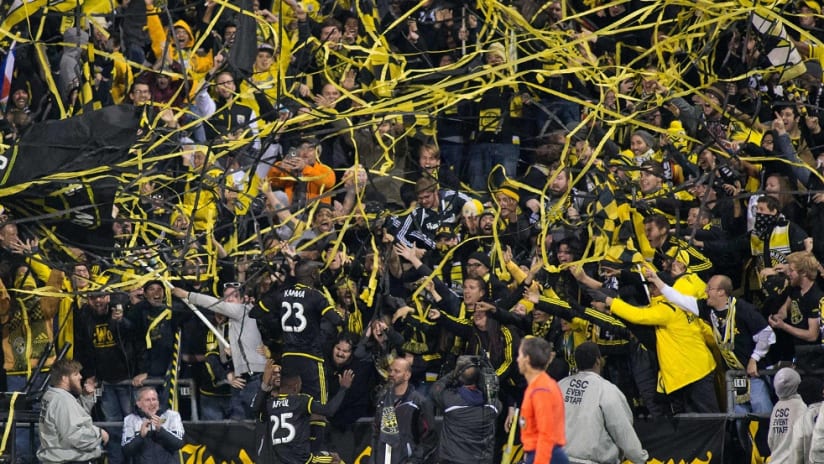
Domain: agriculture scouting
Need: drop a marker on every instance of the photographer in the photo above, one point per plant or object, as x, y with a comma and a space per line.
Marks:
469, 414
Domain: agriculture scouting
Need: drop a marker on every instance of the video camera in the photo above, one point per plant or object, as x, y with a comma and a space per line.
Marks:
483, 376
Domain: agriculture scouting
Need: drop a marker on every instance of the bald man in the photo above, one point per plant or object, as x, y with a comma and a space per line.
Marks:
741, 332
404, 420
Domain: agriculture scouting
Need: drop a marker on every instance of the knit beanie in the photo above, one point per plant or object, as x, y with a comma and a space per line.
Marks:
648, 138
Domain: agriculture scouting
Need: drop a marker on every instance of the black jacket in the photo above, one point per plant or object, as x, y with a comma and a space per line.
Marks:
155, 360
468, 430
106, 348
415, 438
159, 446
358, 400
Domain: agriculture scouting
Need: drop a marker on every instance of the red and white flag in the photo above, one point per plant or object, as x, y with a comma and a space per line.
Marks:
8, 70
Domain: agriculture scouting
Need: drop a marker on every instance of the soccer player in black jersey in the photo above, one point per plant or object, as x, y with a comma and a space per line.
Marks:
296, 312
288, 416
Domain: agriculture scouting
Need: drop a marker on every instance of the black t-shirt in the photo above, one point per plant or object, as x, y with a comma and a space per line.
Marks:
803, 308
748, 322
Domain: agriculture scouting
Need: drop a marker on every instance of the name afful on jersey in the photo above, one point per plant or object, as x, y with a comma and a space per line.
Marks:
281, 403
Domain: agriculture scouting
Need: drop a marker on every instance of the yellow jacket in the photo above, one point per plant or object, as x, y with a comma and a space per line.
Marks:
197, 64
65, 318
264, 82
683, 355
122, 77
692, 285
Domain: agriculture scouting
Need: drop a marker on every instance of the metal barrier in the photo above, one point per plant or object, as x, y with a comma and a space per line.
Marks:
25, 419
733, 380
185, 388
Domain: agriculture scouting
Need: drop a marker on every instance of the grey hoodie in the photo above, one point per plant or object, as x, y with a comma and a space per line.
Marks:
784, 415
71, 61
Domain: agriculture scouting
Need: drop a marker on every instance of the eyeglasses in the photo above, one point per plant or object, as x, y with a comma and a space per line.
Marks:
232, 285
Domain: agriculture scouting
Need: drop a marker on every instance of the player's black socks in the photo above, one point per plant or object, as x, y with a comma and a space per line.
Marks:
318, 431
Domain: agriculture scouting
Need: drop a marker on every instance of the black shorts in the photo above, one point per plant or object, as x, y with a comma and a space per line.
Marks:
310, 370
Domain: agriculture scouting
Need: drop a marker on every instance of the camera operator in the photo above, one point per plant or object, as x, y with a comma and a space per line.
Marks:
469, 414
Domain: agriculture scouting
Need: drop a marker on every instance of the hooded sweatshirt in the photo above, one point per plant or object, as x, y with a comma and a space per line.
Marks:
71, 63
197, 64
784, 415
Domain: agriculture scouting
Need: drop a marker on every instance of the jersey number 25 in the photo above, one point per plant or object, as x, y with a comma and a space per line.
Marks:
280, 423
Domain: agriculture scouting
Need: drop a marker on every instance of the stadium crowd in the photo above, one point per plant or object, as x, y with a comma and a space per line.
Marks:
385, 187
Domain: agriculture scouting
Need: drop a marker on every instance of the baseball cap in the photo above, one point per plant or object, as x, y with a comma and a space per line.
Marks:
445, 232
152, 282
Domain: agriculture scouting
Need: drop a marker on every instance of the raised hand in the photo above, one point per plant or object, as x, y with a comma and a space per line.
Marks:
346, 378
